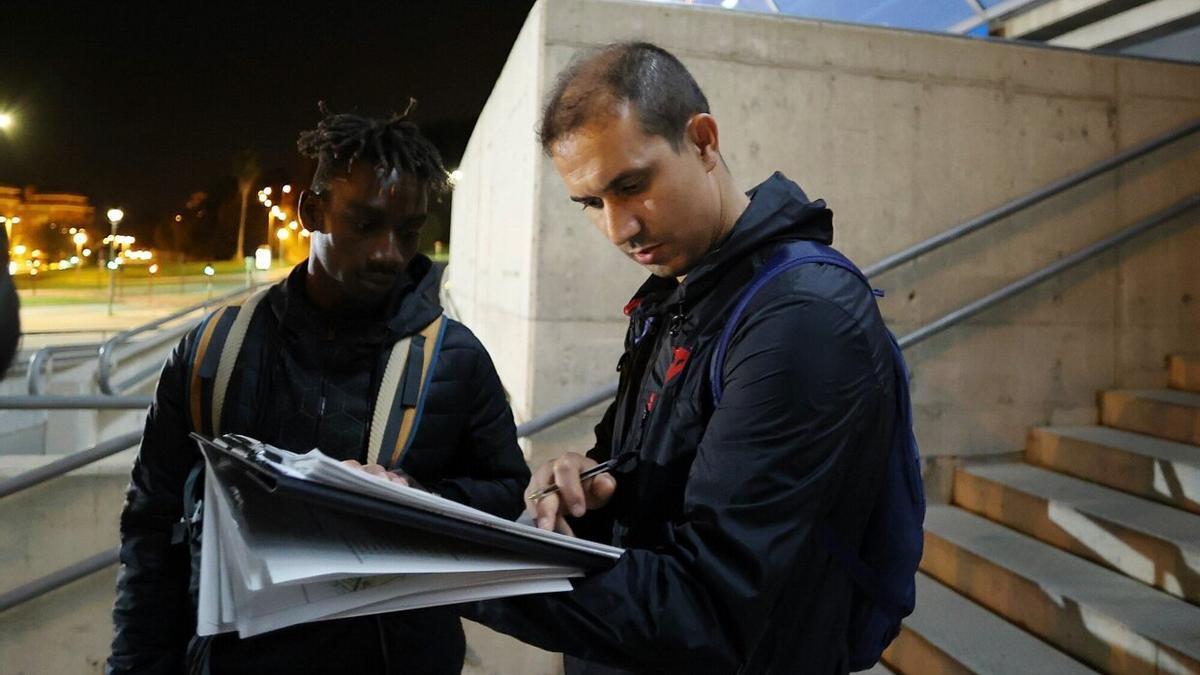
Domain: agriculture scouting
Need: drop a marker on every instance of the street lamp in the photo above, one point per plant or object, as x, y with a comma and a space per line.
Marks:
282, 233
6, 121
115, 216
80, 239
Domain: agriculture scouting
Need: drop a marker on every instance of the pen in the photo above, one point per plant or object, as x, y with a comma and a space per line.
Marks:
603, 467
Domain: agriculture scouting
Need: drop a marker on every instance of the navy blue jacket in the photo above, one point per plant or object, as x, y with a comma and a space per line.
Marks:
722, 573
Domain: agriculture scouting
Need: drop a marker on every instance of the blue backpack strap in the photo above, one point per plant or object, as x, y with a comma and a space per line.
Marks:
791, 254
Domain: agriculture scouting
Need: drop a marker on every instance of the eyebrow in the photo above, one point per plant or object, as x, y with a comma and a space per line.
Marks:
622, 177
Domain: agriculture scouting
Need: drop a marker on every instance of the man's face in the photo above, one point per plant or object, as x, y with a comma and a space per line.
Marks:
369, 225
660, 207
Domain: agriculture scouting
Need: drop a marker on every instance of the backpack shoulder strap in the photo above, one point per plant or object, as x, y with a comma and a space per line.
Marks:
229, 354
402, 394
220, 340
791, 254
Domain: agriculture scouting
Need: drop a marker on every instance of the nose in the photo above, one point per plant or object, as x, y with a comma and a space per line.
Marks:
386, 251
620, 224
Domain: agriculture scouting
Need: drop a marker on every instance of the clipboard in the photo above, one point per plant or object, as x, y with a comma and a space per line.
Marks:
249, 469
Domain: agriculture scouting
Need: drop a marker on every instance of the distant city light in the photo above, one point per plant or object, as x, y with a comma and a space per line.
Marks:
12, 268
304, 234
6, 121
73, 230
33, 272
209, 271
456, 175
19, 249
15, 220
115, 216
153, 269
267, 191
287, 189
80, 238
262, 258
87, 252
37, 253
112, 264
74, 260
282, 233
266, 202
178, 217
293, 225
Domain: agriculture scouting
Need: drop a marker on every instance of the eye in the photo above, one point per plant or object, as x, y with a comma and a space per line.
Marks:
631, 188
591, 203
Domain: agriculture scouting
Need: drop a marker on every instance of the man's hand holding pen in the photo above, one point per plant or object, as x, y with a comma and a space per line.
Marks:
560, 488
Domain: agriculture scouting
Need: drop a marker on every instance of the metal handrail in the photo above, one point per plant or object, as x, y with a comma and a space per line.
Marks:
556, 415
104, 370
80, 402
58, 579
42, 357
68, 463
1027, 200
967, 311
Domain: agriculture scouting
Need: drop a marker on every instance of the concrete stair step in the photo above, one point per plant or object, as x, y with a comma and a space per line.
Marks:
1103, 618
1164, 413
1183, 372
1153, 543
1152, 468
950, 634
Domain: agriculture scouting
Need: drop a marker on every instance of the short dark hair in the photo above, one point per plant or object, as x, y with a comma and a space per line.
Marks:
663, 93
395, 143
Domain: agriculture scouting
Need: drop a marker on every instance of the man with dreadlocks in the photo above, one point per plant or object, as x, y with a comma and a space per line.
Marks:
307, 375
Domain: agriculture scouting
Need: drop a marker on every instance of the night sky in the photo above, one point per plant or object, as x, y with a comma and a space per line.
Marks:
140, 105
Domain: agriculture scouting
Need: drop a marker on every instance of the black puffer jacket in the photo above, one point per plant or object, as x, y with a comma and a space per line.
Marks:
722, 572
305, 379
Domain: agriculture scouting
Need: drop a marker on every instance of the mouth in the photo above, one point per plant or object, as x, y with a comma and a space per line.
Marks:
376, 281
646, 255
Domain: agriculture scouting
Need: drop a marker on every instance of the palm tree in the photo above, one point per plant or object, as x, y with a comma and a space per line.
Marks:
246, 171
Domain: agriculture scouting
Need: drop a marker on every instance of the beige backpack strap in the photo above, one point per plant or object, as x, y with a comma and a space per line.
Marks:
402, 394
389, 387
229, 354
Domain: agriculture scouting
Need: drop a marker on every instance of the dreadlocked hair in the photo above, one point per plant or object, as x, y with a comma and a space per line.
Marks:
340, 139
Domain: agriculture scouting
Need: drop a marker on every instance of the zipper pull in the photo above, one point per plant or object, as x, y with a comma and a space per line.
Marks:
677, 320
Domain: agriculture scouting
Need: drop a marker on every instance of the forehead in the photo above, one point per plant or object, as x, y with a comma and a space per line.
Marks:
388, 190
592, 155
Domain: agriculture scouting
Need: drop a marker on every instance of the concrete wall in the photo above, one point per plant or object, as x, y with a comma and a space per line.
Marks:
905, 135
48, 527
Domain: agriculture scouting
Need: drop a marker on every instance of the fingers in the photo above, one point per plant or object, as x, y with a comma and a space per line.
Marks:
545, 512
562, 527
570, 490
573, 497
600, 490
377, 470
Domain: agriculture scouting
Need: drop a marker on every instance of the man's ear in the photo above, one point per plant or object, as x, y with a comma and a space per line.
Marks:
703, 138
311, 211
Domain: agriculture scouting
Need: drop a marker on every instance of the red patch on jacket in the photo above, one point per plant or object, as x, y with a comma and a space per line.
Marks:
681, 354
632, 305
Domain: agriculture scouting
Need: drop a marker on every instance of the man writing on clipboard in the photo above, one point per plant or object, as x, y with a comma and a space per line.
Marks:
313, 370
722, 477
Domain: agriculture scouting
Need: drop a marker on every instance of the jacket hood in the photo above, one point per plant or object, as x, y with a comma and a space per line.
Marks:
778, 211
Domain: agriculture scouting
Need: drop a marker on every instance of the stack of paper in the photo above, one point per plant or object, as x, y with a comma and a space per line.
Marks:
270, 560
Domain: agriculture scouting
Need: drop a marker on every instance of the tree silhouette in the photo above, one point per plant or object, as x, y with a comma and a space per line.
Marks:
246, 170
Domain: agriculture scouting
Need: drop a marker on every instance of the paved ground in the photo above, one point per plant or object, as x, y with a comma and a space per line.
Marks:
71, 315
